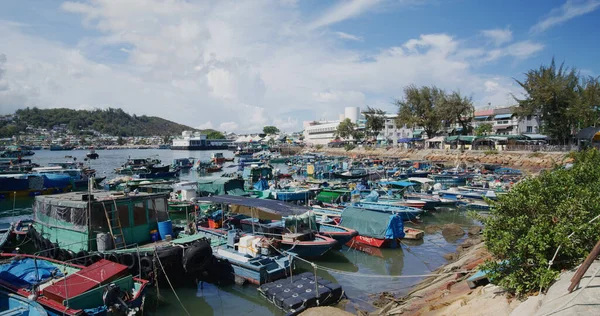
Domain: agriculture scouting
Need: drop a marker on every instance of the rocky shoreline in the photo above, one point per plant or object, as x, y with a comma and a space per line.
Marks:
532, 161
448, 293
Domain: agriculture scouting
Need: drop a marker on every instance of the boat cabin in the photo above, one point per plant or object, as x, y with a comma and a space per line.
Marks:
74, 220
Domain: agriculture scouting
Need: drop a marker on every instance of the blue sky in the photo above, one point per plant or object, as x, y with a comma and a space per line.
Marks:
239, 65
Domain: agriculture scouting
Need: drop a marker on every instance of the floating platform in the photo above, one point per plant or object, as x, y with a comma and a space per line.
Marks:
300, 292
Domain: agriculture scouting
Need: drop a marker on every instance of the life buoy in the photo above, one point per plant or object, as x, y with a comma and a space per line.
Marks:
129, 260
146, 266
82, 257
70, 255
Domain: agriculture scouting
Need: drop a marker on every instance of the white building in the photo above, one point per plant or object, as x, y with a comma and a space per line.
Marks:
323, 132
392, 133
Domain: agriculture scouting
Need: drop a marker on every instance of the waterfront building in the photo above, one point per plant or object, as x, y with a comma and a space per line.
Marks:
198, 141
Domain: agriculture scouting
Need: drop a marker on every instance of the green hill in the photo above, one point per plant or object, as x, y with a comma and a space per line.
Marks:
114, 122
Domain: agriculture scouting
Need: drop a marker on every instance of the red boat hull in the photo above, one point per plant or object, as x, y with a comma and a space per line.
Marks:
374, 242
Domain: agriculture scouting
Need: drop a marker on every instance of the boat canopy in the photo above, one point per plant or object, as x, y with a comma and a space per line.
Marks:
421, 180
373, 224
397, 183
261, 208
220, 186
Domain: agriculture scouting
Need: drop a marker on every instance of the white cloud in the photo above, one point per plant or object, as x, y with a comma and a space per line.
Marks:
232, 65
571, 9
347, 36
520, 50
228, 126
207, 125
342, 11
498, 36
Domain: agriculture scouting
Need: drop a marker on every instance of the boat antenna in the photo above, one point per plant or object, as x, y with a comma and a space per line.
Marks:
14, 202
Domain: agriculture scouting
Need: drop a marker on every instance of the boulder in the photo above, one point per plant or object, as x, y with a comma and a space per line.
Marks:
452, 230
431, 229
475, 230
451, 256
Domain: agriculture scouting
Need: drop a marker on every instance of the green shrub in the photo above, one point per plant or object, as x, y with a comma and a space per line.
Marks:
319, 147
527, 225
536, 154
490, 152
349, 147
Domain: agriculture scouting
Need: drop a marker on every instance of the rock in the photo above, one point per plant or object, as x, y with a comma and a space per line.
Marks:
451, 256
431, 229
475, 230
452, 230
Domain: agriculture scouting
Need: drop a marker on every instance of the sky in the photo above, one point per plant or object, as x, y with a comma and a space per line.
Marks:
237, 66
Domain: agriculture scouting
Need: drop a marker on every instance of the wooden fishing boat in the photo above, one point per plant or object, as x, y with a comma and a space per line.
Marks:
69, 289
14, 305
212, 169
375, 228
280, 217
405, 212
340, 233
292, 194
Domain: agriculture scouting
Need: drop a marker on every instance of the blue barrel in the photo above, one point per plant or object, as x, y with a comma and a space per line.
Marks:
165, 228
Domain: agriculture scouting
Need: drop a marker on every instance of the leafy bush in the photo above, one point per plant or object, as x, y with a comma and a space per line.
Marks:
349, 147
527, 225
319, 147
536, 154
490, 152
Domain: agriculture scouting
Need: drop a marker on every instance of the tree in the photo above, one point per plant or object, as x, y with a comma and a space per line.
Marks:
527, 225
215, 135
421, 107
375, 121
346, 129
457, 109
483, 129
166, 139
553, 92
120, 141
270, 130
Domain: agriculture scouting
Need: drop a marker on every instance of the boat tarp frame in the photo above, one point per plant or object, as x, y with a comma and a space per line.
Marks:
373, 224
219, 186
261, 208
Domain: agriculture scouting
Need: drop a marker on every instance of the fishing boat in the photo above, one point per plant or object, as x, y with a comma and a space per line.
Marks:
183, 163
5, 232
405, 212
213, 168
137, 165
375, 228
456, 193
158, 175
92, 154
15, 152
33, 184
79, 177
217, 158
220, 186
340, 233
68, 289
61, 147
129, 228
333, 195
292, 194
14, 305
257, 265
275, 219
351, 174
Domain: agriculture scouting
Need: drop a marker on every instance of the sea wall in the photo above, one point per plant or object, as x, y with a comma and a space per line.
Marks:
514, 159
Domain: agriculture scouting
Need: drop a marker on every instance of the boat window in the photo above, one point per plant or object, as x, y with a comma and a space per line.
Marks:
158, 211
63, 213
98, 219
123, 214
139, 213
79, 216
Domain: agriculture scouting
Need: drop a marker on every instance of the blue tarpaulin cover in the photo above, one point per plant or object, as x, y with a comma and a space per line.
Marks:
372, 223
23, 272
261, 185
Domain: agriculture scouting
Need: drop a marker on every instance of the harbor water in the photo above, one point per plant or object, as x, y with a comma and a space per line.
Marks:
363, 272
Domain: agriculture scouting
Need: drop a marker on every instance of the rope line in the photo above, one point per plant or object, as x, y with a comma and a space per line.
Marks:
169, 281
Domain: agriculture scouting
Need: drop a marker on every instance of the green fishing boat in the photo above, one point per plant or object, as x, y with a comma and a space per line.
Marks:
333, 195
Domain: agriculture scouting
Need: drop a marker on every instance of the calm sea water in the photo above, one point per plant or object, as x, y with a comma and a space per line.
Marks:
362, 272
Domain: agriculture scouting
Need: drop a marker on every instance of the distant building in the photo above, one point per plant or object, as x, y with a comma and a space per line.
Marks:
394, 134
323, 132
198, 141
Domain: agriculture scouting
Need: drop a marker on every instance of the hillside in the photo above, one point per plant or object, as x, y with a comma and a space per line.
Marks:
114, 122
